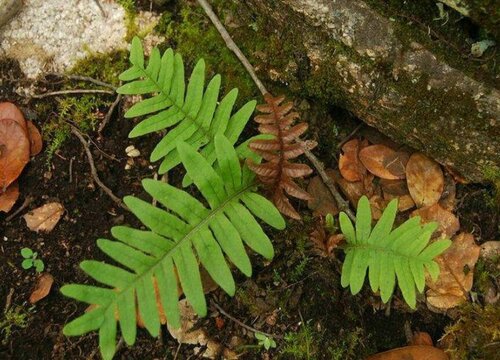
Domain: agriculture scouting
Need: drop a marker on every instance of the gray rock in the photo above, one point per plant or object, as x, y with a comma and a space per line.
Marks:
8, 9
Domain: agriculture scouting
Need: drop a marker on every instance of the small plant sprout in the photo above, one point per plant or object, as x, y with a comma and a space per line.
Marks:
265, 341
31, 260
330, 223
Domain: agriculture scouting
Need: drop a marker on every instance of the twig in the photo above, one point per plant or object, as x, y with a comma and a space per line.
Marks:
318, 165
343, 205
348, 137
8, 302
232, 45
25, 204
221, 310
93, 170
72, 92
177, 351
107, 118
85, 78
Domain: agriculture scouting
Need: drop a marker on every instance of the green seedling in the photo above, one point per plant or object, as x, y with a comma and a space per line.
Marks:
31, 260
265, 341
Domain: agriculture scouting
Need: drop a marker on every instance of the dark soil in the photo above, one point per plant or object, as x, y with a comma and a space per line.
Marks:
296, 289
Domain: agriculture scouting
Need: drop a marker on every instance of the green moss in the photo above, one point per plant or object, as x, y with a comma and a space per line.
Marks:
14, 317
493, 175
130, 16
191, 33
475, 335
302, 344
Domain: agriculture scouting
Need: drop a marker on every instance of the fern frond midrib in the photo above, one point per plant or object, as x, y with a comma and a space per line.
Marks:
186, 237
392, 252
177, 106
281, 151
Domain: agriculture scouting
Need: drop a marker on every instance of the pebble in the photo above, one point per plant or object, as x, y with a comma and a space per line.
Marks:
132, 152
8, 9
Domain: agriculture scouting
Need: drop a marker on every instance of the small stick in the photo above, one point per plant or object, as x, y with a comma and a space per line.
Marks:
232, 45
107, 118
221, 310
9, 300
72, 92
93, 170
85, 78
343, 205
25, 204
318, 165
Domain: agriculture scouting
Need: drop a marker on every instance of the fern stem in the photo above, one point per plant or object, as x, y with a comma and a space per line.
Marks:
232, 45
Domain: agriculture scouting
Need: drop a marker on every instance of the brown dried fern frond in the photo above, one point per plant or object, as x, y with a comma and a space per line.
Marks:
276, 171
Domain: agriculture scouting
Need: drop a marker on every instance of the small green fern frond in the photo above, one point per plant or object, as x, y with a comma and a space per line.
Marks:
179, 238
193, 114
403, 253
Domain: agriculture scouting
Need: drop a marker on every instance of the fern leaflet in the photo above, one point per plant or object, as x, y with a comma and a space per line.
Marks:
193, 114
179, 238
387, 254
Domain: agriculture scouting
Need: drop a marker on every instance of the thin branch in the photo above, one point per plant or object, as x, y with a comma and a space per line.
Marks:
232, 45
221, 310
318, 165
25, 204
107, 118
84, 78
93, 169
343, 205
72, 92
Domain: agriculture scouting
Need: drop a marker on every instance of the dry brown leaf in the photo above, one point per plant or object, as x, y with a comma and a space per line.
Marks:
188, 334
352, 190
349, 165
396, 164
421, 338
378, 205
394, 187
42, 288
324, 243
14, 151
490, 249
322, 201
448, 198
405, 202
425, 180
9, 197
456, 273
44, 218
35, 138
448, 223
414, 352
10, 111
376, 158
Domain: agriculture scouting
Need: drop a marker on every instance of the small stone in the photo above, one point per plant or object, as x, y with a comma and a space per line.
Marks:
132, 152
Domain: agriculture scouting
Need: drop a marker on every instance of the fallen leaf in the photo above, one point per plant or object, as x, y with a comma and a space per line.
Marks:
421, 338
448, 223
42, 288
321, 202
378, 205
35, 139
449, 195
394, 187
376, 158
352, 190
188, 334
414, 352
405, 202
396, 164
425, 180
9, 110
14, 151
9, 197
349, 165
44, 218
456, 274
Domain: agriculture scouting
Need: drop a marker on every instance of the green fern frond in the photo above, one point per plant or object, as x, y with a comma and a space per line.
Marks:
179, 238
403, 253
193, 114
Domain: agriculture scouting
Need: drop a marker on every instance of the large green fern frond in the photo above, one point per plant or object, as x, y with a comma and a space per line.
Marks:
179, 238
192, 113
387, 254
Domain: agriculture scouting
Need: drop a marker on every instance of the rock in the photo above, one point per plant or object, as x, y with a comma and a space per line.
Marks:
8, 9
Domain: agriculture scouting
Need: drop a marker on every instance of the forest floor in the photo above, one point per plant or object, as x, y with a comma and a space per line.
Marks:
297, 297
